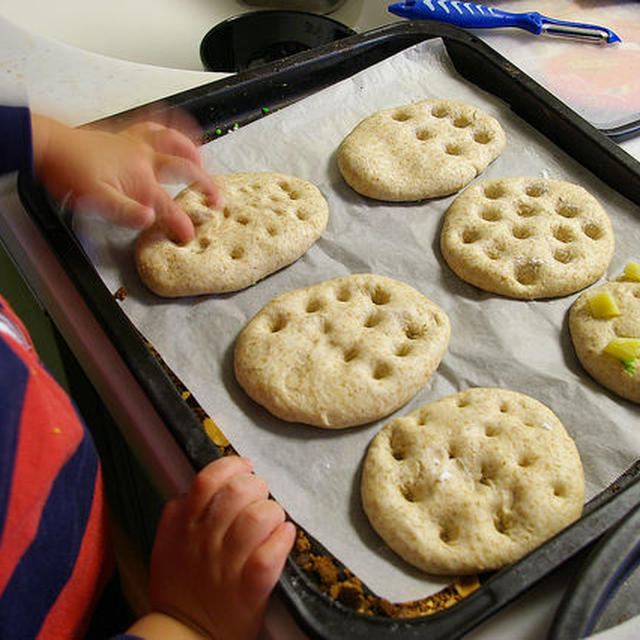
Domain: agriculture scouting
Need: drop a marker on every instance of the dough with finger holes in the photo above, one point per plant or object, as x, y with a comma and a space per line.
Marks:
422, 150
343, 352
590, 335
527, 237
268, 221
472, 482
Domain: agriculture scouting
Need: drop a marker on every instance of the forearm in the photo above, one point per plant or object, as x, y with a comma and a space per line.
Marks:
49, 138
42, 129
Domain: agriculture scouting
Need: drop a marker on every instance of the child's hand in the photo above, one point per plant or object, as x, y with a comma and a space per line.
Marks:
118, 175
219, 552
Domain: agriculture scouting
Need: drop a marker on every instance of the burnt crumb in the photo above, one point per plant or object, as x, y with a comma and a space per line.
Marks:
350, 595
386, 608
121, 293
326, 570
327, 573
303, 560
341, 585
321, 567
302, 543
414, 609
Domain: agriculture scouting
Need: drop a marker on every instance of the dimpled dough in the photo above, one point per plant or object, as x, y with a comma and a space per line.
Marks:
472, 482
267, 222
422, 150
343, 352
591, 335
527, 237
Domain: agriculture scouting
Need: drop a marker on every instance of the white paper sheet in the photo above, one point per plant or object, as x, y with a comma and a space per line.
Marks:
495, 341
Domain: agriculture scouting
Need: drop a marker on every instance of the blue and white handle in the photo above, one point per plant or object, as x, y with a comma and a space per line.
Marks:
479, 16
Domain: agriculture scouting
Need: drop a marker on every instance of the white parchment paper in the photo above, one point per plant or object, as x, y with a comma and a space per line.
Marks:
495, 341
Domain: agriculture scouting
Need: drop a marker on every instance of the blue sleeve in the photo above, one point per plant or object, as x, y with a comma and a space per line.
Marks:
16, 151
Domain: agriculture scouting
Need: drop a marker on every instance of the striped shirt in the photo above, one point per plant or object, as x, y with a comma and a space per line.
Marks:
53, 527
55, 556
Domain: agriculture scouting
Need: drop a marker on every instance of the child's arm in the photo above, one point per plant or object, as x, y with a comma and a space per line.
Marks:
118, 175
220, 549
218, 554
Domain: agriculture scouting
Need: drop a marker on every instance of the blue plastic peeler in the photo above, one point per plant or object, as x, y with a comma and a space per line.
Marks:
479, 16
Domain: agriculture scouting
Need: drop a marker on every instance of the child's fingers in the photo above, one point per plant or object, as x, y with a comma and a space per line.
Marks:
170, 118
210, 480
213, 193
175, 143
175, 169
249, 530
239, 494
116, 207
164, 140
176, 221
138, 212
183, 122
264, 565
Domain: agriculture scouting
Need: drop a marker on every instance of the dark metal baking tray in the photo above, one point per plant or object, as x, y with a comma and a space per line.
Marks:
253, 94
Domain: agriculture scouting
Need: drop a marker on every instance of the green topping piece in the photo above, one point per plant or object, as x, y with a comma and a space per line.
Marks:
265, 109
629, 366
218, 132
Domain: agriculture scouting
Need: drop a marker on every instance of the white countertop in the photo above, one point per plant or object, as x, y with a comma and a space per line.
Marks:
164, 33
162, 40
125, 55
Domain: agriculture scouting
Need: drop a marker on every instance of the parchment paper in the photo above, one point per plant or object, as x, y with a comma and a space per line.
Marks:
495, 341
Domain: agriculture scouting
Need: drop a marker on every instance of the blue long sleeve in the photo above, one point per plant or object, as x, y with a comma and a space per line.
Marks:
16, 150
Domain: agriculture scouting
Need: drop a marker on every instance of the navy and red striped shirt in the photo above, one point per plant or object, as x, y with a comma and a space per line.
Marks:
53, 527
55, 556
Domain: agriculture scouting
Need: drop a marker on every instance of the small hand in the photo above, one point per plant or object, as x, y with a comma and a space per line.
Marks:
119, 175
219, 552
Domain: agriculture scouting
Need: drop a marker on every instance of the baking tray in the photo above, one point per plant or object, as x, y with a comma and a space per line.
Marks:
223, 105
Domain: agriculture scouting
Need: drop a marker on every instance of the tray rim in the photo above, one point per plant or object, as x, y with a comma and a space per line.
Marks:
300, 593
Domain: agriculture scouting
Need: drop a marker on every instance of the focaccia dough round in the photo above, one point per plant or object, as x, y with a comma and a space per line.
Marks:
527, 237
591, 335
472, 482
268, 221
422, 150
343, 352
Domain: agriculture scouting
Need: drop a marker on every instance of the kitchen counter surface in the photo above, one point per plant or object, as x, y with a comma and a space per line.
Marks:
156, 32
77, 76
